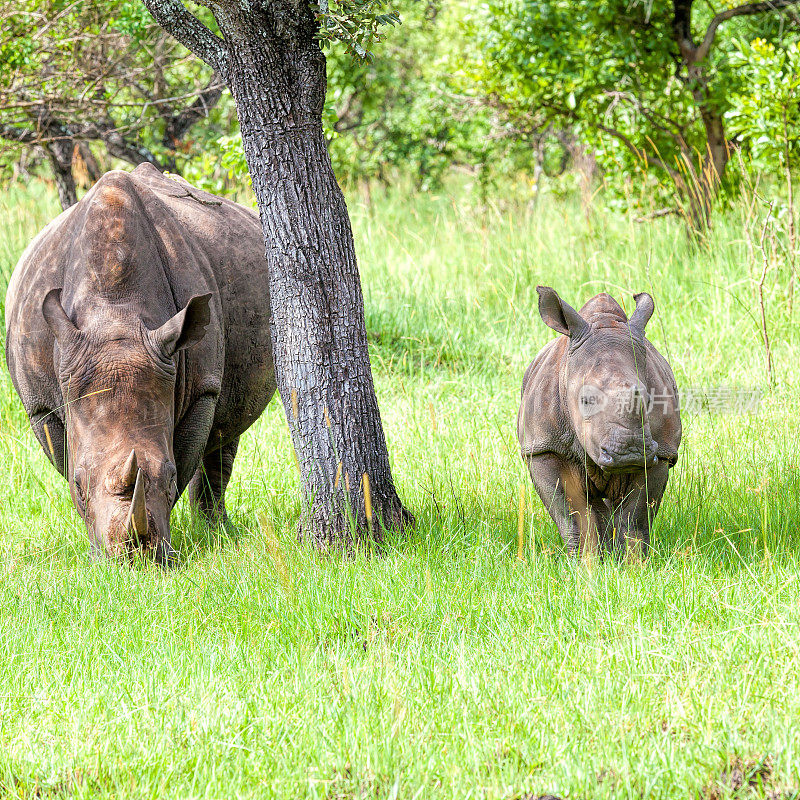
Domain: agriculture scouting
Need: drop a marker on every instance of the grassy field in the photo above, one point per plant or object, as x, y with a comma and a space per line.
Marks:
446, 668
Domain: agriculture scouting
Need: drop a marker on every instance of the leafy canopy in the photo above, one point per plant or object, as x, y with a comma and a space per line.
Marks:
612, 70
356, 23
93, 65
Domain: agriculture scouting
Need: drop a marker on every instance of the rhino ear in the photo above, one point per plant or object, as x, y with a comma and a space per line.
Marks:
558, 315
57, 320
643, 311
186, 328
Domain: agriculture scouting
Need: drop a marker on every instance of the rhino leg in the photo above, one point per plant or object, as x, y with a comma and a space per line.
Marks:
192, 437
633, 514
579, 519
207, 487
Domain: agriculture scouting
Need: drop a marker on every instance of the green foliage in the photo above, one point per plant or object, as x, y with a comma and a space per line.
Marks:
220, 166
384, 110
612, 71
91, 63
355, 23
485, 87
409, 110
765, 112
405, 110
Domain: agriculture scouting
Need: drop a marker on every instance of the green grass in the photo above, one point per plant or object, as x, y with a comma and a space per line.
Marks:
445, 668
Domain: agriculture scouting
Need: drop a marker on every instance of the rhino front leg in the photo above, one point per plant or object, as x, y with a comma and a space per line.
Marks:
632, 517
207, 487
579, 519
191, 438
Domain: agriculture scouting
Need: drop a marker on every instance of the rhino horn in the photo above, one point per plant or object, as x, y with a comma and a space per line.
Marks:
136, 524
131, 469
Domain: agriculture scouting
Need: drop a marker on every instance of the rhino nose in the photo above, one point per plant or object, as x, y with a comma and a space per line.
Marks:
632, 458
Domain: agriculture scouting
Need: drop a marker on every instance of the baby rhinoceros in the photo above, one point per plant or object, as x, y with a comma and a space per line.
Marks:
599, 425
138, 340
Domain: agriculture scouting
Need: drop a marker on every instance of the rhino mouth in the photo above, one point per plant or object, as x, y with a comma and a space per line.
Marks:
628, 460
124, 542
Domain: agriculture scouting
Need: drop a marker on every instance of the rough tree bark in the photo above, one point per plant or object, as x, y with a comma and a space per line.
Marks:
59, 153
270, 58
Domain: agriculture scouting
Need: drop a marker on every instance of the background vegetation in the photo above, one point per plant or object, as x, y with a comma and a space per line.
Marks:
448, 666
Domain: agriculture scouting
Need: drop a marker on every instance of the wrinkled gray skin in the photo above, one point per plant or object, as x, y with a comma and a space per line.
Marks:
138, 340
599, 459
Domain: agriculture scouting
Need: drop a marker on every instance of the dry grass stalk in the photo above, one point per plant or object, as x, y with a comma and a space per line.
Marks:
276, 553
761, 302
367, 499
49, 442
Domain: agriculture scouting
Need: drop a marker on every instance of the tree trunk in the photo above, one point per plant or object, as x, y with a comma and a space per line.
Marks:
59, 152
705, 183
276, 73
90, 162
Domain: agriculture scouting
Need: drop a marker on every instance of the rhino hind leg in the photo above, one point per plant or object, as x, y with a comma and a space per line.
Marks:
207, 487
580, 521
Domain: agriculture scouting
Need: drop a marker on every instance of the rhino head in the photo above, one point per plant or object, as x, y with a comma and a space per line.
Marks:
603, 379
118, 379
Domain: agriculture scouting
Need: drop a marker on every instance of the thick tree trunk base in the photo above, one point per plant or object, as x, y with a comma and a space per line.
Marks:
348, 534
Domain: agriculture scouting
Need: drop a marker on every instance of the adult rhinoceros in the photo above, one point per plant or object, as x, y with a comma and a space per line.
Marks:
138, 339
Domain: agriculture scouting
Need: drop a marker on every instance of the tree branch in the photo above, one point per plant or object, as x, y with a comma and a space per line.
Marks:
116, 144
178, 124
14, 134
661, 212
745, 10
50, 133
656, 162
176, 20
